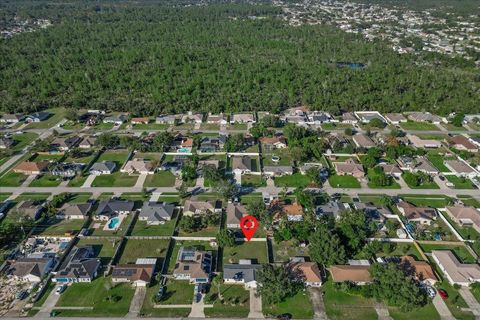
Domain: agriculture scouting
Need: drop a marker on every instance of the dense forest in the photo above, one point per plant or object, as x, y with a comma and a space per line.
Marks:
162, 56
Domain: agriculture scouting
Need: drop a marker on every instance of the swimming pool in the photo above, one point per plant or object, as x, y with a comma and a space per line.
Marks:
113, 223
184, 150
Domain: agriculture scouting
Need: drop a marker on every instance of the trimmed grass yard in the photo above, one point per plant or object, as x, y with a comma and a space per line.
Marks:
23, 140
438, 162
251, 197
58, 227
235, 303
427, 200
116, 179
180, 292
135, 249
46, 180
119, 157
104, 248
56, 115
299, 306
142, 229
461, 183
469, 201
459, 250
283, 154
98, 295
426, 185
340, 305
150, 126
12, 179
80, 197
250, 180
371, 174
420, 126
160, 179
284, 250
296, 180
255, 250
337, 181
77, 181
427, 312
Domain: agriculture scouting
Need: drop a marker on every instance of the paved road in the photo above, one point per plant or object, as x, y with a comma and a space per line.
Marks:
472, 303
316, 297
442, 308
255, 306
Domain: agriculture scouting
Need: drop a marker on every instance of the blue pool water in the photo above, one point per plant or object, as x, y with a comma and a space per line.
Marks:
184, 150
113, 223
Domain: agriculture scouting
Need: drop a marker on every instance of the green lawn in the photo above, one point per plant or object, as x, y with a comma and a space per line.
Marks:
467, 233
4, 196
250, 180
178, 292
23, 140
371, 174
469, 201
210, 231
299, 306
116, 179
251, 197
135, 249
80, 197
255, 250
56, 115
461, 183
284, 250
402, 249
96, 295
46, 180
455, 302
420, 126
148, 156
160, 179
49, 157
73, 125
77, 181
86, 157
340, 305
426, 185
296, 180
104, 248
283, 154
119, 157
427, 312
12, 179
56, 227
142, 229
438, 162
237, 126
427, 200
45, 294
210, 126
103, 126
236, 302
451, 127
337, 181
150, 126
460, 251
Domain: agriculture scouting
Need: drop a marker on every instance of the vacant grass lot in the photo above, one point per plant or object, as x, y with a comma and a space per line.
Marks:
284, 250
419, 126
116, 179
23, 140
104, 248
427, 200
250, 180
426, 185
160, 179
12, 179
46, 180
438, 162
97, 295
236, 302
255, 250
296, 180
119, 157
337, 181
299, 306
135, 249
461, 183
58, 227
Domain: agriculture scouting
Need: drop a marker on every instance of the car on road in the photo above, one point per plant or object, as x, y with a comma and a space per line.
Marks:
60, 289
443, 294
21, 295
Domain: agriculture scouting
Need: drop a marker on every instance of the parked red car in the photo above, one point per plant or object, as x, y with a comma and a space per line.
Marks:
443, 294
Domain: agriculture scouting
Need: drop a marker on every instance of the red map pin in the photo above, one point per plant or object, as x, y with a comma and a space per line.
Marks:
249, 225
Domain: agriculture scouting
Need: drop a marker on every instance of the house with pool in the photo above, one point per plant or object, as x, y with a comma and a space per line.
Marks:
81, 265
112, 211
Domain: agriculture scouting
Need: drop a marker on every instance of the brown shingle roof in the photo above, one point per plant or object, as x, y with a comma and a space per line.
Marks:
357, 273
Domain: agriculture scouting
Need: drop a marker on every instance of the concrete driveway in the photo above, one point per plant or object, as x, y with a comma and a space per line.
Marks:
316, 297
471, 301
137, 302
255, 305
442, 308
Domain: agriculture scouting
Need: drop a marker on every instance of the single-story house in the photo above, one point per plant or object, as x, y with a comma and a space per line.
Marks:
65, 144
166, 119
235, 213
31, 167
212, 144
138, 166
105, 167
74, 210
464, 216
30, 209
111, 208
363, 141
192, 117
357, 274
6, 142
305, 271
217, 118
242, 118
280, 209
242, 273
241, 164
425, 117
176, 165
349, 168
81, 265
67, 170
193, 265
391, 169
461, 168
278, 170
37, 116
87, 143
140, 120
31, 269
421, 215
395, 118
456, 272
460, 142
12, 118
139, 275
422, 270
423, 143
332, 209
349, 118
318, 117
367, 116
196, 207
155, 213
116, 119
272, 143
